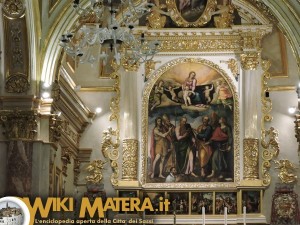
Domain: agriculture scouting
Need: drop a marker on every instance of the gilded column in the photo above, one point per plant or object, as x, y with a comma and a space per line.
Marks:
129, 106
251, 83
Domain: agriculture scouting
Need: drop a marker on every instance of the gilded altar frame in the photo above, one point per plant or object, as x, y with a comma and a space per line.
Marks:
190, 185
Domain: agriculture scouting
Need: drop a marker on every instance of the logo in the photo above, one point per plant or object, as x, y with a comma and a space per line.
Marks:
13, 211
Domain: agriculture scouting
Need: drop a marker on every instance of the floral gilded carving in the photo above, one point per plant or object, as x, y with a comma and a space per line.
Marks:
130, 159
251, 159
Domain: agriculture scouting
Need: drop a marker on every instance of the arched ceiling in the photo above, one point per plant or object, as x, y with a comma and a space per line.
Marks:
57, 16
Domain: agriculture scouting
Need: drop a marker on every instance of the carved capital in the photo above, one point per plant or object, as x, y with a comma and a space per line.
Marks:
250, 61
19, 124
130, 64
251, 160
130, 159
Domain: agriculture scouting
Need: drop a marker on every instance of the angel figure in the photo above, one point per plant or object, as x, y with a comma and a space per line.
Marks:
285, 175
95, 168
225, 15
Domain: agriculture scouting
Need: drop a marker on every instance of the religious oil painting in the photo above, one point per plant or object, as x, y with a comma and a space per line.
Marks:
251, 199
191, 13
190, 10
179, 202
155, 198
190, 126
226, 199
200, 200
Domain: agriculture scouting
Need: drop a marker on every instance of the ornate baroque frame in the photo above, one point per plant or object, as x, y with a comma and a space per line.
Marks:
236, 130
201, 21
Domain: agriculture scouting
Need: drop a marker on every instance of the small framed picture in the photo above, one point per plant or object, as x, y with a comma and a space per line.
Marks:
155, 198
226, 199
251, 199
200, 200
179, 202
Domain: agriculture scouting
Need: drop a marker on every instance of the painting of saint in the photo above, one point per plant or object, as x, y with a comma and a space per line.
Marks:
190, 126
226, 199
191, 10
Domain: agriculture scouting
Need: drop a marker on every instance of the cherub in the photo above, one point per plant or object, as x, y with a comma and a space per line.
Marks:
207, 93
186, 95
172, 92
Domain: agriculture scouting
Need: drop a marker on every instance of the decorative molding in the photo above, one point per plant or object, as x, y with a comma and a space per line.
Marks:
19, 124
282, 88
251, 159
250, 61
97, 89
130, 159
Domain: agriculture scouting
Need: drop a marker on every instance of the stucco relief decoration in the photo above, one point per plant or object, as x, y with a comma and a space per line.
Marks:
251, 159
285, 208
76, 170
110, 151
225, 15
19, 124
157, 17
111, 137
14, 8
130, 159
95, 168
65, 158
191, 125
286, 168
16, 68
55, 128
233, 66
191, 13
